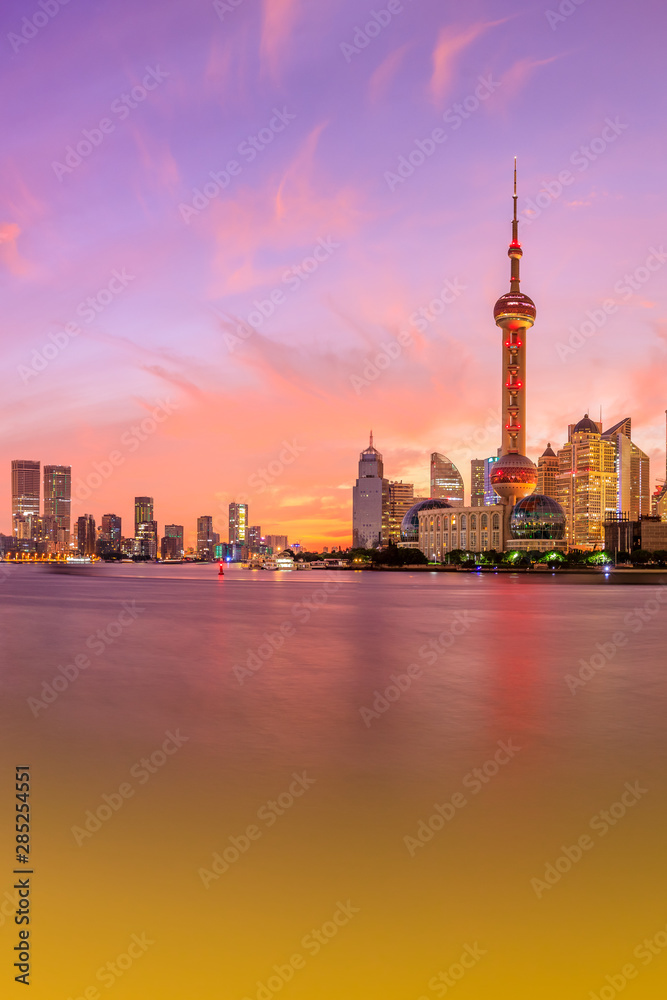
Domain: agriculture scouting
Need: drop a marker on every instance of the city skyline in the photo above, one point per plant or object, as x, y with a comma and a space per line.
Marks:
182, 350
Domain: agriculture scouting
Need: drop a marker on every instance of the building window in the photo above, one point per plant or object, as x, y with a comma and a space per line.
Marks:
485, 522
464, 522
496, 522
473, 522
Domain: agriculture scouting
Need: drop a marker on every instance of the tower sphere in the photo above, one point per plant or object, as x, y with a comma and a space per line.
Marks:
515, 306
513, 476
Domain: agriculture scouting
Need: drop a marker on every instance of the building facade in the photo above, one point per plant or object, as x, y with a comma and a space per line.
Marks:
205, 537
85, 534
58, 501
623, 534
469, 529
547, 473
587, 483
401, 499
171, 545
632, 470
143, 512
276, 543
446, 480
111, 533
238, 524
370, 501
25, 490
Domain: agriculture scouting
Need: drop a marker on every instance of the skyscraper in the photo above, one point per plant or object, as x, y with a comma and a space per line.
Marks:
238, 523
58, 500
633, 471
587, 483
171, 546
277, 543
514, 476
143, 512
446, 480
547, 471
25, 490
205, 541
254, 537
85, 531
477, 482
401, 499
370, 501
111, 533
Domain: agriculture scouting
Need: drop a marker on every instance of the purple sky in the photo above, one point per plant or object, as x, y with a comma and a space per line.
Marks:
332, 124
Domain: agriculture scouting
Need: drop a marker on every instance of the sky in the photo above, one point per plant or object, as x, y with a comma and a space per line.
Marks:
215, 218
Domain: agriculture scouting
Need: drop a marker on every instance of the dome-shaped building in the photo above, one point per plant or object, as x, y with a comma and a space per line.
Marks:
410, 522
586, 426
538, 517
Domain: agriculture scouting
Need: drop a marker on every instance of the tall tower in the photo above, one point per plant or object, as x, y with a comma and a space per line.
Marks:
514, 476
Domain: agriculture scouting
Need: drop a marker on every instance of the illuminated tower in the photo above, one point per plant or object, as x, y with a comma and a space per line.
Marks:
514, 476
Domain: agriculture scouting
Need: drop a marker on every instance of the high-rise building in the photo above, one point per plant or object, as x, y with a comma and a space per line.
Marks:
477, 482
277, 543
370, 501
143, 512
254, 537
145, 540
587, 483
482, 493
58, 500
547, 471
25, 490
85, 533
205, 540
111, 532
633, 471
514, 476
401, 499
238, 523
171, 546
446, 480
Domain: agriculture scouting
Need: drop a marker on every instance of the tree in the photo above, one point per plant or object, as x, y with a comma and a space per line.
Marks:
640, 557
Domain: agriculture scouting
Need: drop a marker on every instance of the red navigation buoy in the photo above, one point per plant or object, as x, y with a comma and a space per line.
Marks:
221, 571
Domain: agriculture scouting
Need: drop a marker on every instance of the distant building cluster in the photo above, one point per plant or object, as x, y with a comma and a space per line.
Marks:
595, 491
46, 529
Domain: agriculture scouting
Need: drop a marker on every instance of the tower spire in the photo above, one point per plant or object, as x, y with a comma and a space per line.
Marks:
371, 444
515, 252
